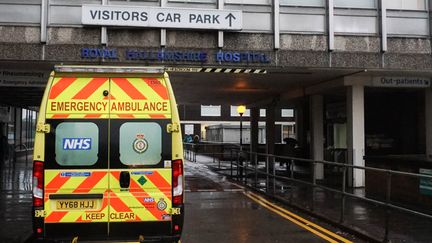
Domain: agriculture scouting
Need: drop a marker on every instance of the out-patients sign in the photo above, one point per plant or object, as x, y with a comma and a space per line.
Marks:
139, 16
426, 183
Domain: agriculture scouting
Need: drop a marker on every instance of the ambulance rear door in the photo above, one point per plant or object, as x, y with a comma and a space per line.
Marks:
76, 157
140, 157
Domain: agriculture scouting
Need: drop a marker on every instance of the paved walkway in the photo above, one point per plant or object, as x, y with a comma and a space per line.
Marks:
361, 216
218, 211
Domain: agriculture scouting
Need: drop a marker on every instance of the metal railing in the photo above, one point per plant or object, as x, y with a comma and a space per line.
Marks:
17, 150
252, 170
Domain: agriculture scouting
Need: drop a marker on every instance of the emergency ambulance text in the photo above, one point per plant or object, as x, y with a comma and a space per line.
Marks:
84, 106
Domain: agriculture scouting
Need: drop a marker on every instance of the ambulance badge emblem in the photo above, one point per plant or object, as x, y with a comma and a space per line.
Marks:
140, 145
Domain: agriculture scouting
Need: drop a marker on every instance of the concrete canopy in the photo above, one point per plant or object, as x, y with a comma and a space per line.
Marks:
201, 88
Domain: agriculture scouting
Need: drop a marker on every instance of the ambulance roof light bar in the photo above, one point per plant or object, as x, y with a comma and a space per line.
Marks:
107, 69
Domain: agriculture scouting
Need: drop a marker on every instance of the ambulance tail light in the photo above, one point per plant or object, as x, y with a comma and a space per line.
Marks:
177, 170
38, 178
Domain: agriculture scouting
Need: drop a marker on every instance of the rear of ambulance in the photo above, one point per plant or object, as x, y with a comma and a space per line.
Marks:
108, 159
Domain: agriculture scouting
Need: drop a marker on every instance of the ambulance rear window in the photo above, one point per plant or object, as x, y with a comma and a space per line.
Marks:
76, 143
140, 143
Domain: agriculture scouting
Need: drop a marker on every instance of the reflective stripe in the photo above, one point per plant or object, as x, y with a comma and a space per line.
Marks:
90, 88
129, 89
60, 86
158, 87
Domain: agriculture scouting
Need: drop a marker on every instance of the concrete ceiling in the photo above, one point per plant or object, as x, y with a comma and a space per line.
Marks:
209, 88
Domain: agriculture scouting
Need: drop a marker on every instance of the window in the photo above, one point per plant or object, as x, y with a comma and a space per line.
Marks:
140, 143
76, 143
210, 110
193, 1
406, 4
251, 2
262, 112
235, 113
307, 3
287, 113
355, 3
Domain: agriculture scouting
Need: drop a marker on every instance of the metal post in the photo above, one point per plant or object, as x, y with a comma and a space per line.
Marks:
274, 175
292, 182
267, 173
342, 213
231, 158
388, 197
246, 170
313, 185
241, 145
256, 170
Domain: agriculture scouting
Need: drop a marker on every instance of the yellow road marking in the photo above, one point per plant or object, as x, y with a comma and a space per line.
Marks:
297, 219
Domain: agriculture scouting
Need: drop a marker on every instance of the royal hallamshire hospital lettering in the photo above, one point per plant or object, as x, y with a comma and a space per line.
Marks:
139, 16
175, 56
115, 106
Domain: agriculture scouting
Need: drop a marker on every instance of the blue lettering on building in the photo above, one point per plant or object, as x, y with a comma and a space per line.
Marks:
77, 143
98, 53
166, 56
241, 57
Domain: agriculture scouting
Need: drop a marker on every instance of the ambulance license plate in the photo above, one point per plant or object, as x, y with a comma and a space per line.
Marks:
76, 204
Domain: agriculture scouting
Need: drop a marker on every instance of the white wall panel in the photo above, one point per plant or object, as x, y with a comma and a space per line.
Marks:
257, 22
407, 26
357, 24
302, 23
20, 13
64, 15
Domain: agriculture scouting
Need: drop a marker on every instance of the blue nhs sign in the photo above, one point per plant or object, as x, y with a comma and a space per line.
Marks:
77, 143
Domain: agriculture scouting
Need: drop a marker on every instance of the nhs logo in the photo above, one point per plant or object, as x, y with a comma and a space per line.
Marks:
77, 143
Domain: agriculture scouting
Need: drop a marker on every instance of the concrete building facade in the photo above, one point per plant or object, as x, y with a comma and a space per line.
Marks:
357, 72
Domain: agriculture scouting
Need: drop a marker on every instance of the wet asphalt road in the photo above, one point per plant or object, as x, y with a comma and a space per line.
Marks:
216, 210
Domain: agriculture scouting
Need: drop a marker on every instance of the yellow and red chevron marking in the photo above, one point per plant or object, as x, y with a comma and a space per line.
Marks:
83, 97
128, 98
139, 98
95, 183
116, 205
133, 202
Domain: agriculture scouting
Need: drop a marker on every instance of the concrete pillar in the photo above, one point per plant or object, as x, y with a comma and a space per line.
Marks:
317, 133
254, 132
18, 126
299, 125
428, 122
270, 134
356, 133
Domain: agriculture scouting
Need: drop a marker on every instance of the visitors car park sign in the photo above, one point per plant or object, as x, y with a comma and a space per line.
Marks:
140, 16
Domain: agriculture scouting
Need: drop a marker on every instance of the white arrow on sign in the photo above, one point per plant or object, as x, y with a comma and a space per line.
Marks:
139, 16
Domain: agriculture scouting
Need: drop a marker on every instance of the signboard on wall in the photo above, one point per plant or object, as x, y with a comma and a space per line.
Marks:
5, 115
23, 78
425, 183
401, 82
142, 16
